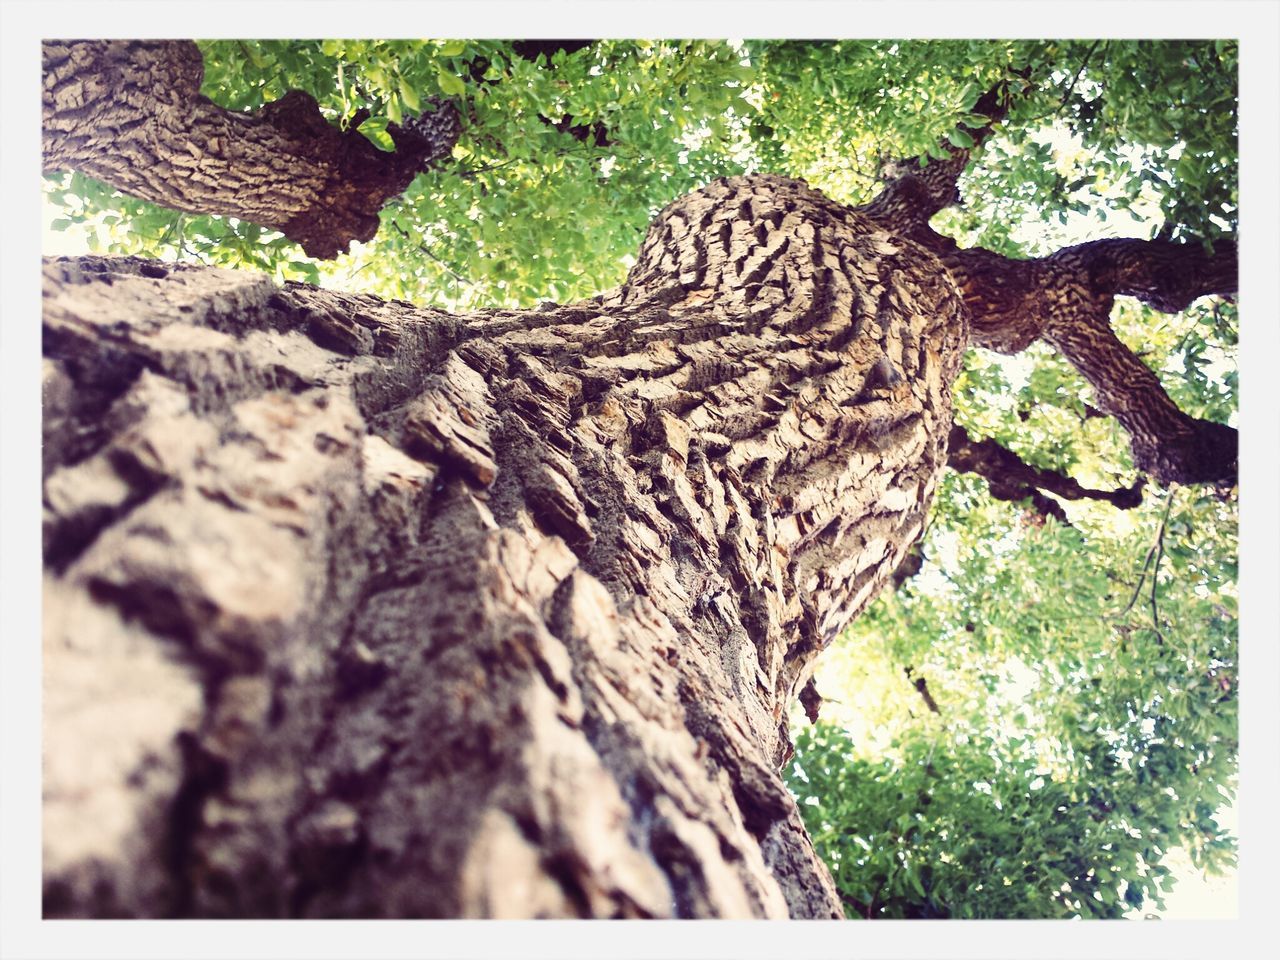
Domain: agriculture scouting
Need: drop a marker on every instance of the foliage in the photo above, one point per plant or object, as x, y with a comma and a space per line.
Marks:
1085, 675
1086, 724
523, 211
565, 156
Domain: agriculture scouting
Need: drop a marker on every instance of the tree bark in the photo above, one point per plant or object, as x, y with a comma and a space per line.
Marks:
130, 113
1066, 300
355, 609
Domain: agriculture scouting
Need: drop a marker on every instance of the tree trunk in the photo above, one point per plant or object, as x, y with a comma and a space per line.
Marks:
355, 609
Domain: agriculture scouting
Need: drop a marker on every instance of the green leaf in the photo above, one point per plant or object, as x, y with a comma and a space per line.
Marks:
410, 96
449, 83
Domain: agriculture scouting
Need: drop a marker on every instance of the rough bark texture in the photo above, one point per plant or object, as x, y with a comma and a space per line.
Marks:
130, 113
357, 609
1066, 300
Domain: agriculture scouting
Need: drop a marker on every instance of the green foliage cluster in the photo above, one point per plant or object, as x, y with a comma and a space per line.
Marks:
563, 161
565, 156
1101, 127
1085, 679
1085, 675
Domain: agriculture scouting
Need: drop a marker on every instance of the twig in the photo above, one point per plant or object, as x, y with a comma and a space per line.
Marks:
1155, 572
468, 174
922, 687
1076, 79
1146, 564
423, 247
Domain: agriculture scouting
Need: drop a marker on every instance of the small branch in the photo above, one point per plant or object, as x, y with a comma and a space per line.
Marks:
923, 689
911, 564
1066, 97
423, 248
1142, 578
915, 192
1156, 552
1155, 571
1010, 478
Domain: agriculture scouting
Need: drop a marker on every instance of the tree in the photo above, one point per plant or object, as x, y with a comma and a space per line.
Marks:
501, 613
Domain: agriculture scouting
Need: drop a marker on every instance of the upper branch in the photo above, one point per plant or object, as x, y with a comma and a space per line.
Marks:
1066, 299
130, 113
1166, 276
918, 187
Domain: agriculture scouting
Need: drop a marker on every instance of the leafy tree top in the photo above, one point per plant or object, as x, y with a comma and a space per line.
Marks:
568, 149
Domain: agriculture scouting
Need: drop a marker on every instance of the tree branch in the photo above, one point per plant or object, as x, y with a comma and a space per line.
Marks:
1066, 299
130, 113
1157, 552
1011, 478
922, 688
811, 700
918, 187
1079, 287
1164, 275
1071, 88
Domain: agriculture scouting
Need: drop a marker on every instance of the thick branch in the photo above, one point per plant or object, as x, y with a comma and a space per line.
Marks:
1066, 299
912, 563
596, 133
130, 113
1167, 443
1012, 478
532, 49
1166, 276
1080, 284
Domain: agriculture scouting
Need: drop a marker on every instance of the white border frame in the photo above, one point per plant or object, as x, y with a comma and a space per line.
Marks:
24, 935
